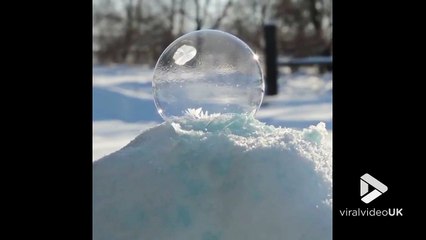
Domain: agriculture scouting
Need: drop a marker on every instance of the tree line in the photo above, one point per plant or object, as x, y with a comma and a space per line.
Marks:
137, 31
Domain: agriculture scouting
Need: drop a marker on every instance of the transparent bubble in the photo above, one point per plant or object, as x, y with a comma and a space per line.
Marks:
207, 73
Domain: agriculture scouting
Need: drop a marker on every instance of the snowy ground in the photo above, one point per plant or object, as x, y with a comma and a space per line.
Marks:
123, 105
172, 182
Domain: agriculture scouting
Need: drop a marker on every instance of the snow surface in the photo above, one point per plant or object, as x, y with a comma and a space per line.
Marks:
221, 178
123, 106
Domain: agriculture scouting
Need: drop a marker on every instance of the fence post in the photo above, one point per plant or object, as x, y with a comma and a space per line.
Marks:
271, 59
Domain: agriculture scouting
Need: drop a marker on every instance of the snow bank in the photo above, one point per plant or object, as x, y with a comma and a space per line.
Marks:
224, 178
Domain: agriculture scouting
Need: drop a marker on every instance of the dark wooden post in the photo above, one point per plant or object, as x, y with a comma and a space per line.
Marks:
271, 59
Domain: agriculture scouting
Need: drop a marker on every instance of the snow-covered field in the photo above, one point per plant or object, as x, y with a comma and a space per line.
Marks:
123, 105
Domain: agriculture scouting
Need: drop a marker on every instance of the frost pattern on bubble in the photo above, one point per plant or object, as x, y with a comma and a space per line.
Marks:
199, 113
210, 71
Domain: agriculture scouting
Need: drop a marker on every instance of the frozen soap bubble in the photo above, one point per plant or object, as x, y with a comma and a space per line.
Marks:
207, 73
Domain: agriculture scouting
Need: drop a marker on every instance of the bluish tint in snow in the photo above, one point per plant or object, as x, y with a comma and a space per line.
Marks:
222, 178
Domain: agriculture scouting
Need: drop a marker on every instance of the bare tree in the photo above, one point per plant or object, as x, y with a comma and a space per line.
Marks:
300, 23
223, 14
182, 16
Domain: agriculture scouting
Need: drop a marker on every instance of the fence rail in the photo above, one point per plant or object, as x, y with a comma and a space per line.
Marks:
307, 61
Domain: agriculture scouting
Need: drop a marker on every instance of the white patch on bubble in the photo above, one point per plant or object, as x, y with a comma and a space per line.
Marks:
184, 54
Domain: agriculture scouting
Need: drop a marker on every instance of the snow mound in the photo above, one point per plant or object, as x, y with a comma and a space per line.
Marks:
221, 178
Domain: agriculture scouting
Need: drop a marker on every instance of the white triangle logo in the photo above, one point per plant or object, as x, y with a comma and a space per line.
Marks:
379, 188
